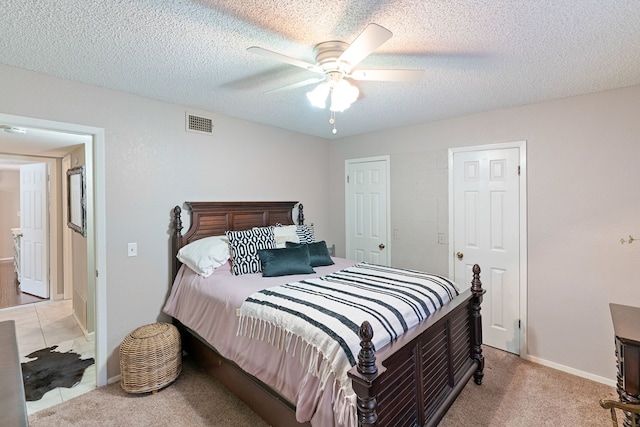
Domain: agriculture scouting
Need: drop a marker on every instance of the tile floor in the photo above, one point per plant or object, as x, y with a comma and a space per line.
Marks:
45, 324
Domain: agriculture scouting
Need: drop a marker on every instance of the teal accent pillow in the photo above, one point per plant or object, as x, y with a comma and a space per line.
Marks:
285, 261
318, 253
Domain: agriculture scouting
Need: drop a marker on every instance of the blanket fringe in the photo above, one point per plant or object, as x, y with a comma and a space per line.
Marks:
318, 364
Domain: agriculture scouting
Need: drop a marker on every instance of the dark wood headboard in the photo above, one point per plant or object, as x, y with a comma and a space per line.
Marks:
215, 218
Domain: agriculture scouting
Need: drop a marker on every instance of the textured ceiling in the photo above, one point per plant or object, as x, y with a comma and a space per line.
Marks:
478, 55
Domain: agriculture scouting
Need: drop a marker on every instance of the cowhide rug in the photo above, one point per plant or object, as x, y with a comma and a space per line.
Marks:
51, 369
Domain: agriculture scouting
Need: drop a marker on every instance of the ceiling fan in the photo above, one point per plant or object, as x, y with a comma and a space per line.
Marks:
336, 63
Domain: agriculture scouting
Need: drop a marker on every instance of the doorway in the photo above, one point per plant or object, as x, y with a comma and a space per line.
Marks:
487, 226
28, 229
95, 211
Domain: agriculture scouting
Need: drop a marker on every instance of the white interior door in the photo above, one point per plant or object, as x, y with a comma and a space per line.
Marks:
486, 226
367, 207
34, 253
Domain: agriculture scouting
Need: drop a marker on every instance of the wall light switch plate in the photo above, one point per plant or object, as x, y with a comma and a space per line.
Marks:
132, 249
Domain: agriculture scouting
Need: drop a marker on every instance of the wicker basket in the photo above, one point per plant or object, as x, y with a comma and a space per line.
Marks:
150, 358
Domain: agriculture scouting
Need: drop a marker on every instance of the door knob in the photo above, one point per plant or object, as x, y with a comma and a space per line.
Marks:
381, 246
460, 255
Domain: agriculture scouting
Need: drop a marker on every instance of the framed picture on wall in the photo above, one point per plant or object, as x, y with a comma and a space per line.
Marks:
77, 215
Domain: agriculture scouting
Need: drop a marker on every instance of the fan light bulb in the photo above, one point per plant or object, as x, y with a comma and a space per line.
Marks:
343, 95
318, 96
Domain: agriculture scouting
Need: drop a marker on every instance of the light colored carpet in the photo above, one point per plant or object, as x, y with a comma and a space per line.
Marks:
517, 393
514, 393
193, 400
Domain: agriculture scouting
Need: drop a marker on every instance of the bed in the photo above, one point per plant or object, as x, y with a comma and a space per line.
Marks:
411, 381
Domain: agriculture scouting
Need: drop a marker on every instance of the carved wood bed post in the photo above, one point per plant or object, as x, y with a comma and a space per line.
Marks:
367, 415
300, 214
477, 291
176, 241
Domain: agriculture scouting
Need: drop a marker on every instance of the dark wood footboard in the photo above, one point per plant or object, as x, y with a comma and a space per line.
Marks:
414, 380
410, 382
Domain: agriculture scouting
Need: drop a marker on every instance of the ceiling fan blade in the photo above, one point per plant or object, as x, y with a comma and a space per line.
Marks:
297, 85
284, 58
369, 40
388, 75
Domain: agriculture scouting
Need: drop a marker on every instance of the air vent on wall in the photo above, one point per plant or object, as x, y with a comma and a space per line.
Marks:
198, 124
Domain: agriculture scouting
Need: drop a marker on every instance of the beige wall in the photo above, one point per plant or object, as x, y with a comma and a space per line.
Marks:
152, 165
582, 171
582, 157
9, 207
82, 305
419, 211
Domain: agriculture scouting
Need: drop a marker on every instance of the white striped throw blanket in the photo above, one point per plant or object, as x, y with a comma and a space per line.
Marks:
320, 318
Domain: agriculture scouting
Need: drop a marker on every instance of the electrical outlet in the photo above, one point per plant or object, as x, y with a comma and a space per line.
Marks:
441, 238
396, 233
132, 249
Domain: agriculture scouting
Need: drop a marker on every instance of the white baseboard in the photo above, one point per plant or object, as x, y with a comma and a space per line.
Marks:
114, 379
572, 371
84, 331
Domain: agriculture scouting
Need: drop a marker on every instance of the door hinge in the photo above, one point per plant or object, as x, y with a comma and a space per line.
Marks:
519, 324
347, 179
518, 170
96, 273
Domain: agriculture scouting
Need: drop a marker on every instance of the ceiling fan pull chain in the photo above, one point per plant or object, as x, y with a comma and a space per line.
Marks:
332, 121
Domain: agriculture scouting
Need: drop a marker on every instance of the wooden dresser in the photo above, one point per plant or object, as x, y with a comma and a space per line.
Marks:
626, 326
12, 400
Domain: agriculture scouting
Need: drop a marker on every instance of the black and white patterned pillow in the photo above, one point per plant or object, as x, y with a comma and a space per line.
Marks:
244, 248
305, 233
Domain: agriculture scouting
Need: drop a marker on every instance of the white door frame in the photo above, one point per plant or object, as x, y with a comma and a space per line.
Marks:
96, 227
522, 150
347, 164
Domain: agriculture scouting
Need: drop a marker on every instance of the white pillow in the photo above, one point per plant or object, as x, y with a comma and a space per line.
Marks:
284, 234
205, 255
